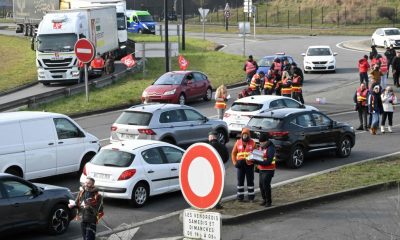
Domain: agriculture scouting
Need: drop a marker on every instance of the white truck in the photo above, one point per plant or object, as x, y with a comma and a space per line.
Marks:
58, 33
120, 6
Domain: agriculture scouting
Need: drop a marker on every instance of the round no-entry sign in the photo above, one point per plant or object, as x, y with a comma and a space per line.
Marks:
84, 50
201, 176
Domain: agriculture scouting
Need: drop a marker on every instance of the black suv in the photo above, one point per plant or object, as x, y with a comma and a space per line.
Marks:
296, 132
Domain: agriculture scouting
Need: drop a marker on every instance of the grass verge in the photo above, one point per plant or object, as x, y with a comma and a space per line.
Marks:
219, 66
18, 65
355, 176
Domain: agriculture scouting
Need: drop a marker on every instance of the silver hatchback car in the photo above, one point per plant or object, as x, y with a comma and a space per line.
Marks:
172, 123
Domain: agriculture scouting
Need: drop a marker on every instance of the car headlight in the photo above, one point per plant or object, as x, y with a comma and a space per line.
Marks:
171, 92
332, 61
144, 94
145, 26
307, 62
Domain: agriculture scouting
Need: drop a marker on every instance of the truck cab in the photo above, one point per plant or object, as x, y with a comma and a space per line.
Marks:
140, 22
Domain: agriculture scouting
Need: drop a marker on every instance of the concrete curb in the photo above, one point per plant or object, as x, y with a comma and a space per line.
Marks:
227, 220
19, 88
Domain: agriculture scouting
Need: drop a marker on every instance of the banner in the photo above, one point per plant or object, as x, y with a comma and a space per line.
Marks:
128, 61
183, 63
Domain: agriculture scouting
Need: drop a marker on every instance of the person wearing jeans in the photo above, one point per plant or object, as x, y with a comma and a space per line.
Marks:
375, 108
388, 100
363, 67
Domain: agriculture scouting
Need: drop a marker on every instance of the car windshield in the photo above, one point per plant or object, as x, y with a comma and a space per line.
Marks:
319, 52
113, 158
145, 18
264, 122
134, 118
121, 21
245, 107
266, 61
391, 32
170, 79
56, 42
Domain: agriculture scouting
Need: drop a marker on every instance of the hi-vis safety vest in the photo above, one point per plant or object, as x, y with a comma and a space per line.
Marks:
362, 96
268, 83
253, 84
384, 65
97, 63
272, 166
220, 103
244, 153
296, 85
286, 87
278, 66
250, 67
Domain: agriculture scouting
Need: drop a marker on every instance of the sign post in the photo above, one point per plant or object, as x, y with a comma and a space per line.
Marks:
201, 178
203, 13
227, 14
244, 28
254, 10
85, 52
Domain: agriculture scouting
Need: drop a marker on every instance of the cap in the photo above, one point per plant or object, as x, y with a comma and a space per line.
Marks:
213, 133
263, 137
376, 87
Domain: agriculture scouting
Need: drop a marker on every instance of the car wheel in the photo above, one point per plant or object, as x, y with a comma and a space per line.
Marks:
58, 219
14, 171
344, 147
46, 83
182, 99
169, 140
140, 194
296, 159
208, 95
222, 136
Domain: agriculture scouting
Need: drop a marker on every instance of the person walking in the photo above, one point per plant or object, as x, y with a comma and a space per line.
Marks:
388, 100
375, 76
360, 99
90, 208
222, 151
363, 67
245, 167
221, 97
277, 66
277, 82
286, 89
396, 69
286, 65
373, 52
375, 108
250, 67
390, 53
266, 168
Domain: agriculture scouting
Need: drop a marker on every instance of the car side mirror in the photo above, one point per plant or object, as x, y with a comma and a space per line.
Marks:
333, 124
302, 106
205, 119
335, 53
36, 191
303, 54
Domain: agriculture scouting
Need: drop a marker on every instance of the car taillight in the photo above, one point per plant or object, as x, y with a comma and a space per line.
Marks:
226, 115
84, 170
146, 131
127, 174
113, 128
279, 134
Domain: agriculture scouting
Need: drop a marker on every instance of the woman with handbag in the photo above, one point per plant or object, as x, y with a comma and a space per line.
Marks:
388, 100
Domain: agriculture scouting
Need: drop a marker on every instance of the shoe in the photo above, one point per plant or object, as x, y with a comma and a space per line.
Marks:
268, 205
374, 131
219, 206
382, 129
390, 129
263, 203
360, 128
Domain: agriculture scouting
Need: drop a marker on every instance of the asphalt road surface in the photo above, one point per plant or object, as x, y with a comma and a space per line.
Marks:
337, 88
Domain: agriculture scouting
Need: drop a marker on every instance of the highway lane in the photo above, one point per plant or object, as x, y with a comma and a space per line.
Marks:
338, 88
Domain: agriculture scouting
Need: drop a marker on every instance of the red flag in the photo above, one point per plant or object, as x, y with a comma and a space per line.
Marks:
128, 61
183, 63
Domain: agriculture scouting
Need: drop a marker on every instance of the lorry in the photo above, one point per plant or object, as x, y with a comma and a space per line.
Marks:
28, 13
57, 34
140, 22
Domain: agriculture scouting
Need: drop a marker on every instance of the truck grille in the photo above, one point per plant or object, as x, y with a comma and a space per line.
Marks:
57, 63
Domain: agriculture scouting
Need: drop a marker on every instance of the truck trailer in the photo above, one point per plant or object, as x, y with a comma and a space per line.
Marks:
57, 34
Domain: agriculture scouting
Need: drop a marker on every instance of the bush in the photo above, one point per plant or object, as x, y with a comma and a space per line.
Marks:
386, 12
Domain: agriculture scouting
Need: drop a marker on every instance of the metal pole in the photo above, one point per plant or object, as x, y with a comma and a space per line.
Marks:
266, 16
288, 18
144, 59
169, 59
322, 15
244, 39
254, 25
86, 83
311, 18
178, 32
161, 33
204, 28
248, 11
299, 16
166, 36
183, 26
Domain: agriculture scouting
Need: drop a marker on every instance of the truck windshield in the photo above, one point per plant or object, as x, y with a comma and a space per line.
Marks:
145, 18
121, 21
56, 42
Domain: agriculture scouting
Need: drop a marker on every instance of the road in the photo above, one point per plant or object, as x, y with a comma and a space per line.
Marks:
337, 88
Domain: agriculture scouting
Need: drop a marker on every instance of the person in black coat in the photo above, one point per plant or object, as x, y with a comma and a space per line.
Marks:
222, 151
396, 69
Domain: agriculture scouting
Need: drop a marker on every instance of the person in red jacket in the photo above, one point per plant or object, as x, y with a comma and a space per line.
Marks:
363, 67
250, 67
97, 65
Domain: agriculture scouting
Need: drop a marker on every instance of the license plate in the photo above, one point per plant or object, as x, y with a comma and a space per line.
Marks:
101, 176
237, 125
319, 65
127, 136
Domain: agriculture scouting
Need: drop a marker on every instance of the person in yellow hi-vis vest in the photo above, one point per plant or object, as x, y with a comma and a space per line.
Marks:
221, 97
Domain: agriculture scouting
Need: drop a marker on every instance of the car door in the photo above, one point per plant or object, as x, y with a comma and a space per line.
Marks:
40, 148
173, 157
199, 126
5, 210
290, 103
201, 84
329, 134
25, 207
189, 86
70, 145
277, 104
174, 123
156, 170
380, 38
306, 131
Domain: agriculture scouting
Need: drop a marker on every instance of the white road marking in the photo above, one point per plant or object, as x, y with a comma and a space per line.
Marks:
124, 235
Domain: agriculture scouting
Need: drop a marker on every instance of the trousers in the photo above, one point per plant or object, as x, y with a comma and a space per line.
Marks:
245, 171
88, 231
265, 184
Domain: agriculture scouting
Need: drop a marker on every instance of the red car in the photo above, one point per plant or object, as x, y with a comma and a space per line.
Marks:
179, 87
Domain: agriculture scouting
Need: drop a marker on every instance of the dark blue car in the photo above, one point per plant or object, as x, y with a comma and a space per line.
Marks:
265, 63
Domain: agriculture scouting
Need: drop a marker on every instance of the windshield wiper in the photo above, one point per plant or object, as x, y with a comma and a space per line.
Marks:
130, 123
110, 165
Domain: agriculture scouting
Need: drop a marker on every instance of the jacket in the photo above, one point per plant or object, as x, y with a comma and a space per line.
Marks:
269, 158
361, 97
363, 65
241, 150
221, 149
387, 102
94, 205
375, 103
384, 65
286, 87
97, 63
250, 67
396, 63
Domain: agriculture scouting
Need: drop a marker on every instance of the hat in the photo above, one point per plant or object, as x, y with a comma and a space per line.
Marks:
377, 87
213, 133
246, 130
263, 137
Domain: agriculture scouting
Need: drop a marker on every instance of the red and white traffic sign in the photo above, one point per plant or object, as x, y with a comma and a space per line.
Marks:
201, 176
84, 50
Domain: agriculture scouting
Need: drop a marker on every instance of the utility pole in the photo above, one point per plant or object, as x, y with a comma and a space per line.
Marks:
166, 36
183, 24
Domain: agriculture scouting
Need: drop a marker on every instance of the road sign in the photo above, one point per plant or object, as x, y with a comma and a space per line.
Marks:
203, 12
247, 4
201, 176
84, 50
244, 28
201, 225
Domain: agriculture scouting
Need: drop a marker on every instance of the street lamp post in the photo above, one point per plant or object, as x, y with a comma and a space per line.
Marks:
166, 36
183, 25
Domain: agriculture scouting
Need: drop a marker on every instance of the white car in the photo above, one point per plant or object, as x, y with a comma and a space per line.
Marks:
239, 114
385, 37
135, 170
319, 58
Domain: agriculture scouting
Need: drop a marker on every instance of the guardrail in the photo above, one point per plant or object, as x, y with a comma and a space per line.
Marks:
68, 91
